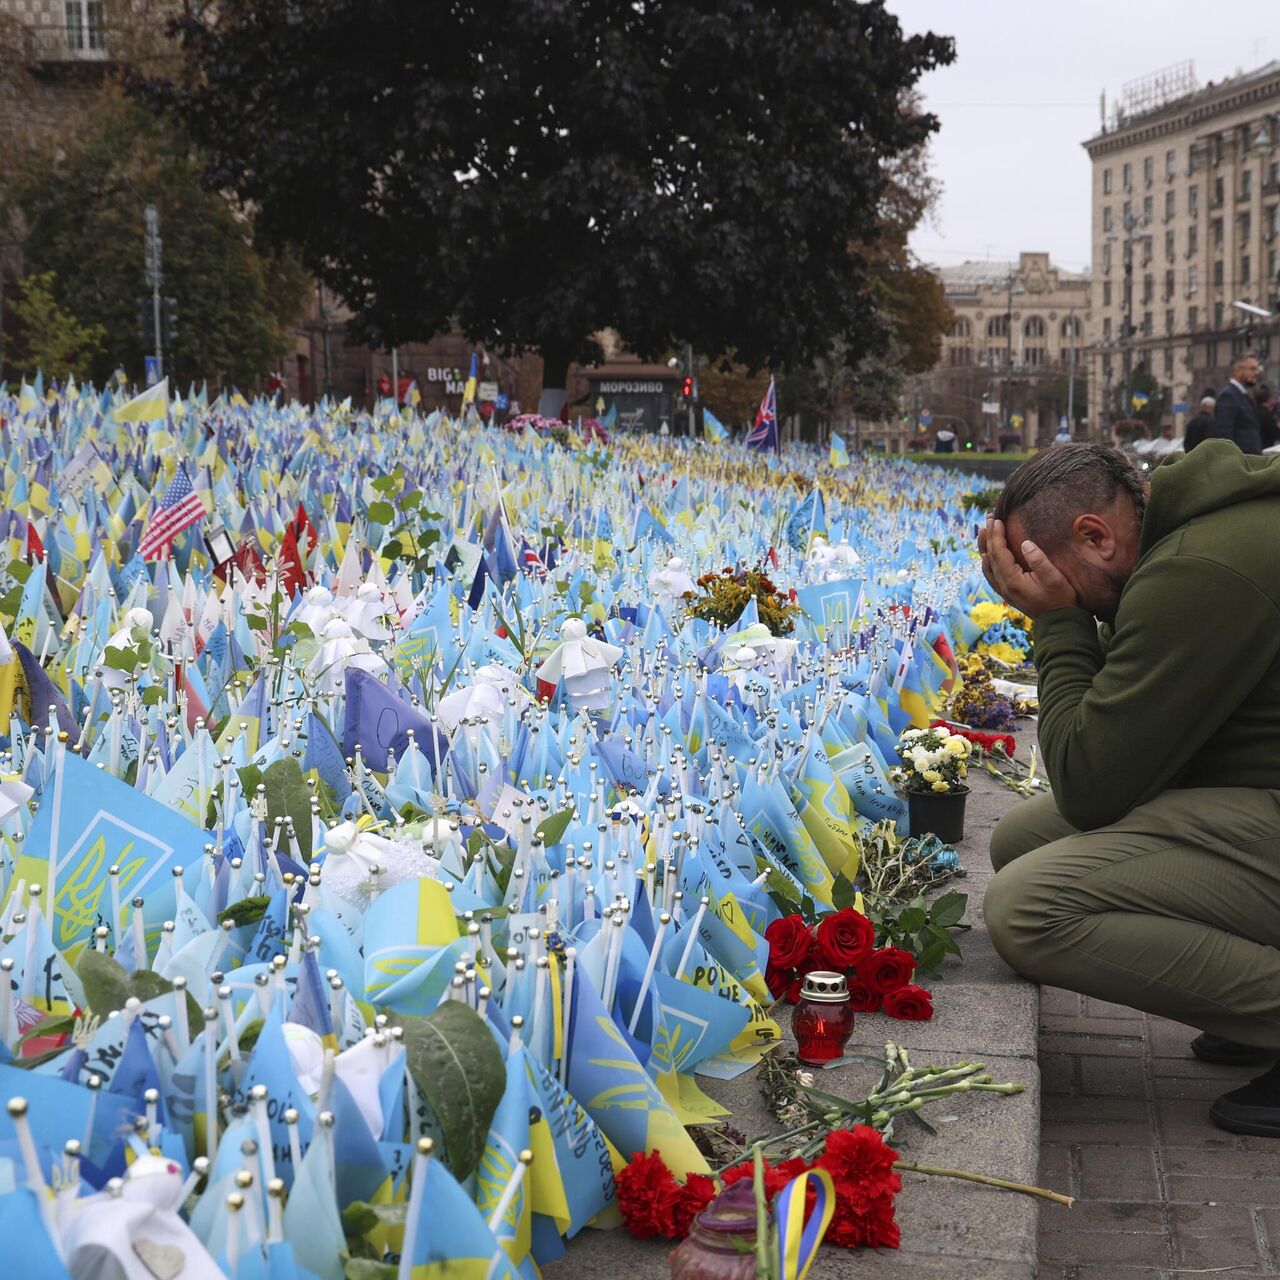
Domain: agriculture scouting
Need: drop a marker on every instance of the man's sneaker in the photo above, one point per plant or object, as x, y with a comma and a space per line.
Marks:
1229, 1053
1255, 1109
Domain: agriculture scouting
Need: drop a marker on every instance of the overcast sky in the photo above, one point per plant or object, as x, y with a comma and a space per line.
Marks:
1023, 94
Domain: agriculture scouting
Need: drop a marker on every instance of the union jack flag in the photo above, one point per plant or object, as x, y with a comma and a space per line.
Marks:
764, 435
530, 561
180, 507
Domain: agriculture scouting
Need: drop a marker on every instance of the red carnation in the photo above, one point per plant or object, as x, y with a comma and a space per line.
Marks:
846, 937
887, 969
862, 999
699, 1191
872, 1225
650, 1198
910, 1003
789, 941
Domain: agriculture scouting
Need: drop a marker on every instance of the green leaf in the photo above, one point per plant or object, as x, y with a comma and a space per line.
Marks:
288, 796
256, 622
913, 919
949, 909
843, 892
429, 537
386, 485
457, 1065
105, 983
120, 659
393, 550
410, 500
358, 1219
381, 512
246, 911
552, 829
850, 1059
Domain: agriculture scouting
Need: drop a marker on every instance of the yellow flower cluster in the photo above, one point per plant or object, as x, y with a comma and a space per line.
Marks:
1004, 652
987, 613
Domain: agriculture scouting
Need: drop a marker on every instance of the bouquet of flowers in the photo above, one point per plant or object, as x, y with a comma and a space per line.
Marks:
879, 978
933, 759
724, 595
978, 703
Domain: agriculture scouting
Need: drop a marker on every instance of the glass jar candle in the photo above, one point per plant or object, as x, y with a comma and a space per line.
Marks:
722, 1240
822, 1022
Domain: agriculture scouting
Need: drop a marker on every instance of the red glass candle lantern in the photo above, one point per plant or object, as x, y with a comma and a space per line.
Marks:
822, 1022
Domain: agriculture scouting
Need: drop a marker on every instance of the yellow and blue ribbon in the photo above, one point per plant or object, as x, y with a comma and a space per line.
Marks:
798, 1240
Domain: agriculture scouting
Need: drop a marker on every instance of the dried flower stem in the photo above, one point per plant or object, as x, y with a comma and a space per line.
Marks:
1021, 1187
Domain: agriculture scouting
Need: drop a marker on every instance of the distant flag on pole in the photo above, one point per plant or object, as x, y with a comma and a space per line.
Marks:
764, 435
839, 454
714, 430
151, 406
469, 391
180, 507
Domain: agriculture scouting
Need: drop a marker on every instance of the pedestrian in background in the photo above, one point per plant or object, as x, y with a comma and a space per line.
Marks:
1267, 427
1236, 415
1200, 426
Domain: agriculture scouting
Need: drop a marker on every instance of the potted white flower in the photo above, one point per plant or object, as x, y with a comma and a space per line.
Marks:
934, 764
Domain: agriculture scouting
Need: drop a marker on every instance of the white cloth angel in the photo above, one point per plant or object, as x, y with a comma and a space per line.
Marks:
494, 687
832, 562
582, 666
365, 613
351, 855
669, 584
339, 650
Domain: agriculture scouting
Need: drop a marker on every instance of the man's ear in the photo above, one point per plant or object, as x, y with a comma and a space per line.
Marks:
1095, 533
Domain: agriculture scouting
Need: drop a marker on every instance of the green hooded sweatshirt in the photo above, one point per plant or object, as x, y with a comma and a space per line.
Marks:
1186, 691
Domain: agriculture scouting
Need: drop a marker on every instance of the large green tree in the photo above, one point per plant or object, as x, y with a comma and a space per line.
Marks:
78, 216
536, 171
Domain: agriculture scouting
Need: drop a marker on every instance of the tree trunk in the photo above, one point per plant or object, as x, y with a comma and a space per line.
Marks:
555, 376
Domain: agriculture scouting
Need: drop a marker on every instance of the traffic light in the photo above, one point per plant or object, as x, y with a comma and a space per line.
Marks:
686, 389
169, 321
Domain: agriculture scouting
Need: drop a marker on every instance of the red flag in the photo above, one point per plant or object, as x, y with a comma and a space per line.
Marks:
247, 560
34, 546
302, 524
295, 576
943, 649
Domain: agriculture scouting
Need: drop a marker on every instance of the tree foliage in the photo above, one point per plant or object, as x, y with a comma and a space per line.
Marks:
537, 171
78, 214
49, 337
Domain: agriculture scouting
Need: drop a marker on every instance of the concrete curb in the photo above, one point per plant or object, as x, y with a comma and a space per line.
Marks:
983, 1012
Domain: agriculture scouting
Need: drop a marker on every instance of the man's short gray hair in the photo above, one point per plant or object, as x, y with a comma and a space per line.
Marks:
1049, 491
1208, 402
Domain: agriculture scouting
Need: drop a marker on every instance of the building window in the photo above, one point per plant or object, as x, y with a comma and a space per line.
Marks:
1168, 285
1146, 324
1147, 208
1106, 257
1217, 191
1106, 182
1106, 293
998, 327
1168, 321
1191, 158
1170, 203
1148, 288
1034, 328
1273, 220
995, 357
1193, 318
1215, 230
1216, 147
1126, 176
1217, 274
1033, 357
1193, 201
1168, 246
961, 356
1128, 213
1246, 184
963, 328
1070, 328
1146, 251
1246, 226
1149, 170
1193, 281
1245, 268
1106, 327
1273, 265
1106, 218
1170, 165
1168, 359
1193, 240
1217, 315
84, 24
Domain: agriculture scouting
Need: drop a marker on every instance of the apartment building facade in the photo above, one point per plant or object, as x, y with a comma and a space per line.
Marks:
1185, 226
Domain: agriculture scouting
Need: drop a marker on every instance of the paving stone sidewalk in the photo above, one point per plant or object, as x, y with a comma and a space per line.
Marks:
1125, 1127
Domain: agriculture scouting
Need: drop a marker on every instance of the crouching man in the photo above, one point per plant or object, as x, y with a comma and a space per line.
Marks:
1151, 877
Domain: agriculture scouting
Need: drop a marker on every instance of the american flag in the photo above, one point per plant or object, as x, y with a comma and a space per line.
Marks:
180, 507
764, 435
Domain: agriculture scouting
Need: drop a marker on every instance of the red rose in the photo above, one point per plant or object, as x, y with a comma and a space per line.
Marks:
812, 963
862, 999
650, 1198
777, 980
789, 942
911, 1004
887, 969
845, 938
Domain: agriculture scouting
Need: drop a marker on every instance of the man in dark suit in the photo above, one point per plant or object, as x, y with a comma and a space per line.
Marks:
1200, 426
1236, 415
